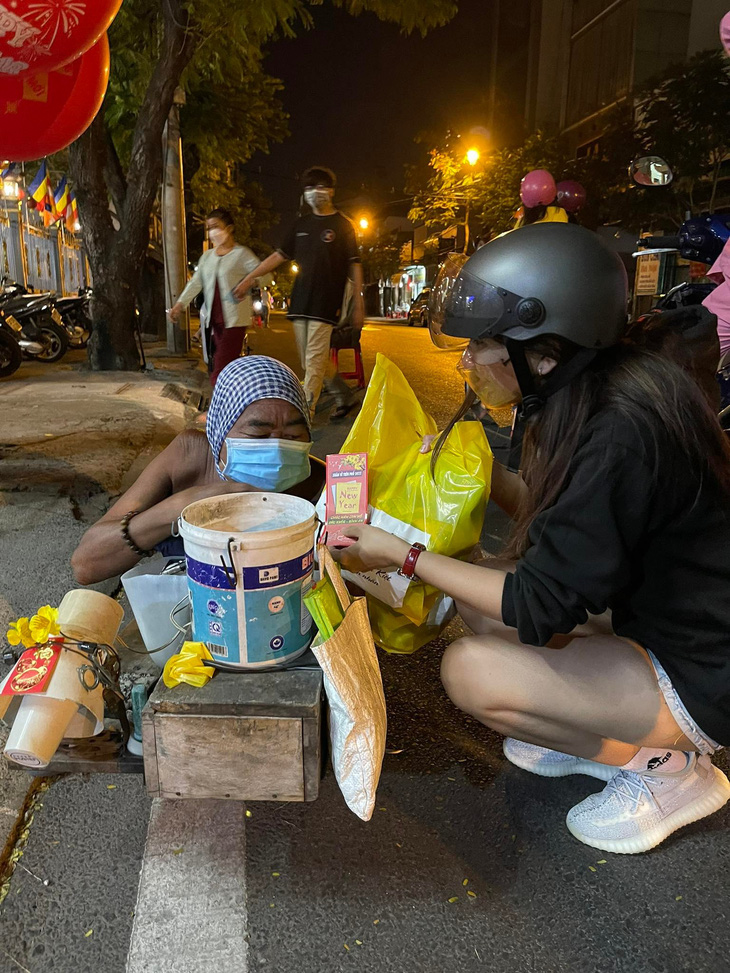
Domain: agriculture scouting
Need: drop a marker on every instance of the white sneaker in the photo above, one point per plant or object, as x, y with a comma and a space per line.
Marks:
635, 812
552, 763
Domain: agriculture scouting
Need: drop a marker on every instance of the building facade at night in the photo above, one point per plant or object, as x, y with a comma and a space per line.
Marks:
586, 56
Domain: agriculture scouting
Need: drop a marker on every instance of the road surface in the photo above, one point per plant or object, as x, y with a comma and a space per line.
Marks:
466, 866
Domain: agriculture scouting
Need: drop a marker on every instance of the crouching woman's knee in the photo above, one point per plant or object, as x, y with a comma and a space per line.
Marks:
463, 674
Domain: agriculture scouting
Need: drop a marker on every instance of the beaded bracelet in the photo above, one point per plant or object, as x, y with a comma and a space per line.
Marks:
127, 539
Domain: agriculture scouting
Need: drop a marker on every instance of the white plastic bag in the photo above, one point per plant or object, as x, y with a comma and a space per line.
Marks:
152, 595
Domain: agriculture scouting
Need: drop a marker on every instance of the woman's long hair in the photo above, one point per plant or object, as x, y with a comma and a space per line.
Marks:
644, 385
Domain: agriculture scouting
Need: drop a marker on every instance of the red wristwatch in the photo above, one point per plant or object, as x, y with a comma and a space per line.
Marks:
409, 565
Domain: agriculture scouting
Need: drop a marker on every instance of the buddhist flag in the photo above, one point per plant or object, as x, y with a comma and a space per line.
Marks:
48, 206
38, 189
61, 198
72, 214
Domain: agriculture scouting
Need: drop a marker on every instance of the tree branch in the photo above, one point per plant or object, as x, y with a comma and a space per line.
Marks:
114, 175
86, 165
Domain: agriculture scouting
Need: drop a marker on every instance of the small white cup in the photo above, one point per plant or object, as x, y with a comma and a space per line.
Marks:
38, 728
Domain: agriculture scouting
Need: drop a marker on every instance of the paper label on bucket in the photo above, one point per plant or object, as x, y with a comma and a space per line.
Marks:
263, 621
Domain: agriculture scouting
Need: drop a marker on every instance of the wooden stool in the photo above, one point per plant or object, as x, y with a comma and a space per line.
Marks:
247, 737
358, 374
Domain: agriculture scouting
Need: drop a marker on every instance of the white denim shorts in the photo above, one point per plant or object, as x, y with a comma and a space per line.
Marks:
702, 741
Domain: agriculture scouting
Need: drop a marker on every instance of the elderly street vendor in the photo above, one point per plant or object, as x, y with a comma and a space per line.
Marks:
257, 438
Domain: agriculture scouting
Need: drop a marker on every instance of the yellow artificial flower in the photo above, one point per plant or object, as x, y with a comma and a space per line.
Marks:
44, 623
19, 633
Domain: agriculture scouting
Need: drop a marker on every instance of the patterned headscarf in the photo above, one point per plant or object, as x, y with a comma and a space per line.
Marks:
242, 382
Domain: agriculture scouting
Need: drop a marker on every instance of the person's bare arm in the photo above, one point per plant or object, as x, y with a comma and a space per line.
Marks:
273, 261
509, 490
191, 290
103, 552
474, 585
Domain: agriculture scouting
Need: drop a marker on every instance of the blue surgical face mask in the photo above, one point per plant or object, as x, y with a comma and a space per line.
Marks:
269, 464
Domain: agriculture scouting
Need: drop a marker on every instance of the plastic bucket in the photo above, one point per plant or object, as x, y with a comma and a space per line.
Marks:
250, 558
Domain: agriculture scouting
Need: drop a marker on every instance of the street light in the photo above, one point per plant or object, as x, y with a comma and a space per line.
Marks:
472, 156
295, 268
364, 223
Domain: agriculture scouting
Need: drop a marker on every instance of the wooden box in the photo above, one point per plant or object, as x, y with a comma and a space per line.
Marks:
243, 736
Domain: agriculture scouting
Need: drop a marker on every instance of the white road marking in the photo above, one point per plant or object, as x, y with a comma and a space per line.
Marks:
191, 915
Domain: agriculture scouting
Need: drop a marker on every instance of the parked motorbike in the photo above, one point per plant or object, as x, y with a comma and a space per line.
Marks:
76, 316
39, 319
259, 308
11, 355
13, 345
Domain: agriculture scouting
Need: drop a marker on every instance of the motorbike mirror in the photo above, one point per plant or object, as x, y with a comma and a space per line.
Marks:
651, 170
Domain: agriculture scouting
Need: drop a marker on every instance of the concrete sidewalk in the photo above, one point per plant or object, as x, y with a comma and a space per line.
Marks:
71, 439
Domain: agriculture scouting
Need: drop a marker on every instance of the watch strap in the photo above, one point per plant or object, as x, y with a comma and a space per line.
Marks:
409, 565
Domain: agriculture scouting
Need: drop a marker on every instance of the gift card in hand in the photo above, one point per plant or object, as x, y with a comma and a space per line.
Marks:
346, 495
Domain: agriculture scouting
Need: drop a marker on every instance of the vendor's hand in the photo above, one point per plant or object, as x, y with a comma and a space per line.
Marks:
373, 548
175, 312
242, 288
427, 443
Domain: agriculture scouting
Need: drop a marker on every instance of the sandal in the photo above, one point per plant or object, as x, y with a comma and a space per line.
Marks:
342, 410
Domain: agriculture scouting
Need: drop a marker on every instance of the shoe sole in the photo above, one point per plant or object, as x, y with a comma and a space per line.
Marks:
588, 768
715, 798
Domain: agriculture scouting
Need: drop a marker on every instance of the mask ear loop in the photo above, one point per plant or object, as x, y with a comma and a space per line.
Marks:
532, 401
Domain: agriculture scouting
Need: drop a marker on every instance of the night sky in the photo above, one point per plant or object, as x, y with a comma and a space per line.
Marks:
358, 92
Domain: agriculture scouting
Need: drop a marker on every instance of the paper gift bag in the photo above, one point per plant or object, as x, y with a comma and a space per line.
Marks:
354, 688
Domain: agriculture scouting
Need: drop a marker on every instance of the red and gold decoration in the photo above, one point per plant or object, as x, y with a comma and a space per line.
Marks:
33, 670
41, 35
45, 112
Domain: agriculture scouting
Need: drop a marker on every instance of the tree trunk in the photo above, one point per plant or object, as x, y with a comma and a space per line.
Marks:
113, 343
117, 253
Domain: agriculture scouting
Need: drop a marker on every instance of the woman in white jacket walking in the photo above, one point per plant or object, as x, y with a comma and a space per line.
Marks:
219, 270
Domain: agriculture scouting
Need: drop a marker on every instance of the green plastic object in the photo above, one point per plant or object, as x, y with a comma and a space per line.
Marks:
324, 607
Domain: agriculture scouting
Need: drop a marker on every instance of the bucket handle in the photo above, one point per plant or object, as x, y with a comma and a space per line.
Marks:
230, 570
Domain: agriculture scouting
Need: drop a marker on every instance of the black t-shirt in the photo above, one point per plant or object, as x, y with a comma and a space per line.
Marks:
636, 531
323, 247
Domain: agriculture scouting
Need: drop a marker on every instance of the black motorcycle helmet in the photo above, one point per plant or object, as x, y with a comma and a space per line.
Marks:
544, 279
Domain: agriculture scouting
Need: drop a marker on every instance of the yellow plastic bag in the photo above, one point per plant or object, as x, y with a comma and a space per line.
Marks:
188, 666
445, 513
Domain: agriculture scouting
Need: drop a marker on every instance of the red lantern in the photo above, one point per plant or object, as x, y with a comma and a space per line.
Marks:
43, 113
40, 35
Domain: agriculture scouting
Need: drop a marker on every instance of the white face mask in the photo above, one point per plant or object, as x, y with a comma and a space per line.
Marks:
217, 236
317, 198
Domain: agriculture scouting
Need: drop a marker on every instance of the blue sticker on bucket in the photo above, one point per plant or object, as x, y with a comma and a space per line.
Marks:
262, 576
211, 575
